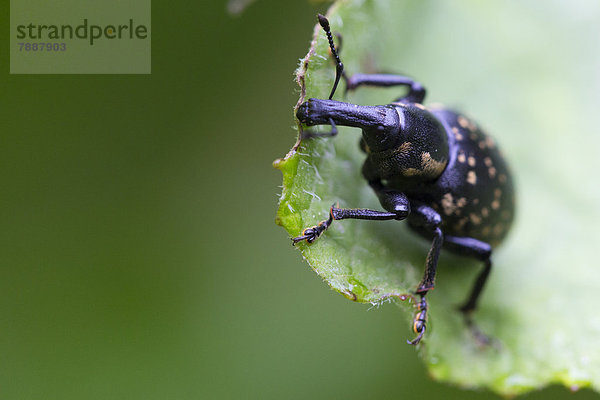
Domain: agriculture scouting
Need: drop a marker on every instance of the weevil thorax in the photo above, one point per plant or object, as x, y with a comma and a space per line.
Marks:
419, 152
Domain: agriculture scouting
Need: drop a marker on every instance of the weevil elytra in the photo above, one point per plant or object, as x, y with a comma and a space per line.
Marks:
431, 166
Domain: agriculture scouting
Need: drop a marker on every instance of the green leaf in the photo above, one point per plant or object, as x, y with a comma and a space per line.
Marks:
527, 72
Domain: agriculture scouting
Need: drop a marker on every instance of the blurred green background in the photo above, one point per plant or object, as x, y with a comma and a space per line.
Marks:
140, 259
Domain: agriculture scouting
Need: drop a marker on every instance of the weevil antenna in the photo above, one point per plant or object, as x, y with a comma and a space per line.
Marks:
339, 67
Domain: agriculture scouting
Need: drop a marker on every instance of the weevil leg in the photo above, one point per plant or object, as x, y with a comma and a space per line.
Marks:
426, 219
416, 91
391, 200
479, 250
483, 252
311, 234
396, 203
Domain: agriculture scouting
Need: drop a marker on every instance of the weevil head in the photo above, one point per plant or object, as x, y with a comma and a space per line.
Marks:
417, 152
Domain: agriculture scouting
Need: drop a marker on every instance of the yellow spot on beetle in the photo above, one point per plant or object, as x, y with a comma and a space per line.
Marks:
462, 121
496, 204
475, 219
497, 192
448, 204
404, 148
487, 161
457, 133
430, 166
471, 160
462, 158
471, 177
485, 212
492, 172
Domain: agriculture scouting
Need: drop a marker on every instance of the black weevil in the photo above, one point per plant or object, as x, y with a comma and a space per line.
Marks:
429, 165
